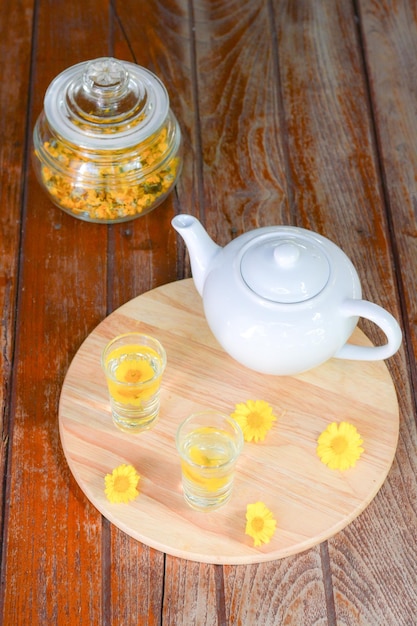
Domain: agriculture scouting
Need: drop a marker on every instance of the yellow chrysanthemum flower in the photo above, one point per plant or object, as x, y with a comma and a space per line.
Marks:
135, 370
340, 446
260, 523
255, 418
121, 484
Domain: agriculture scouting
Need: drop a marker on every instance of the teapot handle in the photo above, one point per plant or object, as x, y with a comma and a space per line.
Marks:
380, 317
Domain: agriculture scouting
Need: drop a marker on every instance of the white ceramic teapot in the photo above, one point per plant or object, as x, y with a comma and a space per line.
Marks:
282, 299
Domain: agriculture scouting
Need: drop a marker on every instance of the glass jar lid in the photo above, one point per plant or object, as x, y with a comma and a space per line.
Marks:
285, 269
106, 104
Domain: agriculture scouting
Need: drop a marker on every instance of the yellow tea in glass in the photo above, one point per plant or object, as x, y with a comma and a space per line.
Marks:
133, 364
209, 445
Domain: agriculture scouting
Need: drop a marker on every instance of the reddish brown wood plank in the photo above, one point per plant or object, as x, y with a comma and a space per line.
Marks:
15, 44
390, 39
52, 551
156, 37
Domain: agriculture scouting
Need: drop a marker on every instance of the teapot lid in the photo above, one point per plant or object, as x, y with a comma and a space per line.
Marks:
285, 268
106, 103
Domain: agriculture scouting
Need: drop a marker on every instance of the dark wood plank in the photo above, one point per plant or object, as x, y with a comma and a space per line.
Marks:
15, 36
158, 37
142, 255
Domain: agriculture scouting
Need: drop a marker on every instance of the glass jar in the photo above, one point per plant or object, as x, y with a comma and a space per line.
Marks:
107, 147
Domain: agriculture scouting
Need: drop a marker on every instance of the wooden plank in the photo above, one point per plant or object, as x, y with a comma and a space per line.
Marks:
191, 594
15, 44
52, 549
244, 170
136, 575
332, 153
289, 591
390, 41
156, 37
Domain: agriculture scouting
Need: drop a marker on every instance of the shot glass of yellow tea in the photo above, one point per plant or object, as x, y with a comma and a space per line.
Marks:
209, 445
133, 364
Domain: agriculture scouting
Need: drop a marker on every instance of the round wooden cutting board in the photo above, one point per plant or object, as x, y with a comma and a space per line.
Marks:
309, 501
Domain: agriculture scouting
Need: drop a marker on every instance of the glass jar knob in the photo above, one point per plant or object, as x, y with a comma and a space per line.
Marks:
106, 78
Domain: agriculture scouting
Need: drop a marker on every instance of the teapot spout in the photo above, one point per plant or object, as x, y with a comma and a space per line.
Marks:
201, 247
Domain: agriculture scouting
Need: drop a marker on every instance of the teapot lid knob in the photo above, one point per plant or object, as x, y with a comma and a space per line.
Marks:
286, 254
285, 269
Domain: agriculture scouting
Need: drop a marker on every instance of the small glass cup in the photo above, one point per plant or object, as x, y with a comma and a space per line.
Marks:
133, 364
209, 444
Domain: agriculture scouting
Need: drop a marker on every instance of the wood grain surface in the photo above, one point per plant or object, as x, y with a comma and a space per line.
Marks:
310, 502
292, 112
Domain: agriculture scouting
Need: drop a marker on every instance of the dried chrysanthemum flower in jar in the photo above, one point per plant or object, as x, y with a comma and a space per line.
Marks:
107, 145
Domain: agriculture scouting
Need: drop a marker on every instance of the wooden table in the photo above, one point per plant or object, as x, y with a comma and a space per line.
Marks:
299, 113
